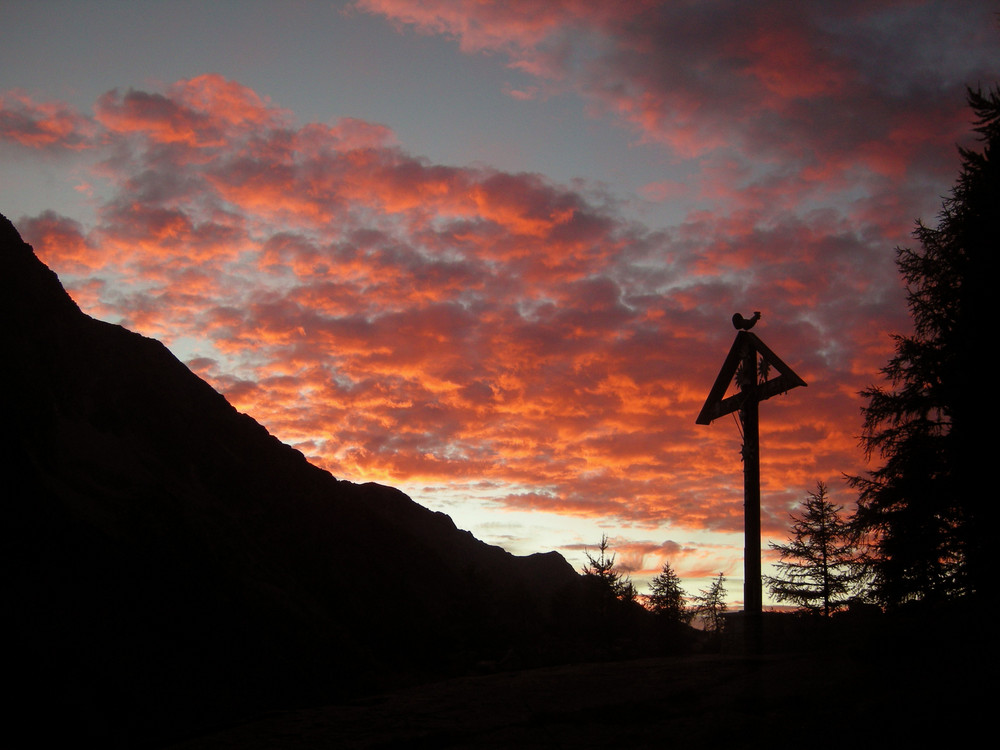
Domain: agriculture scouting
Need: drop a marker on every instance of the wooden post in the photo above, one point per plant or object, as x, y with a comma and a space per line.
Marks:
752, 585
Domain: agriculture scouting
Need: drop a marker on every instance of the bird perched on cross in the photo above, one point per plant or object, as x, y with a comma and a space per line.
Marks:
745, 324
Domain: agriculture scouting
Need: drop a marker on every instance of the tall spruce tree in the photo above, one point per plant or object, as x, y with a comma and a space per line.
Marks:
817, 566
924, 510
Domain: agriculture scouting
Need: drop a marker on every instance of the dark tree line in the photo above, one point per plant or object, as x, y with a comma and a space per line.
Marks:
666, 599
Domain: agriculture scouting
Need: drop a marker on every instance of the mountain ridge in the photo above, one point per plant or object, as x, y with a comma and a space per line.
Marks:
160, 538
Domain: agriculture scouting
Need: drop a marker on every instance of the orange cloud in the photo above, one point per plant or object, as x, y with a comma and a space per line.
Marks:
406, 321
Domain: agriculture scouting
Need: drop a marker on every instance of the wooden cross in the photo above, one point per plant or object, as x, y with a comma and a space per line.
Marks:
754, 385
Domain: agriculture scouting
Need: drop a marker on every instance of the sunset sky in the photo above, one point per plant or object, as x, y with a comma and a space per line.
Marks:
488, 252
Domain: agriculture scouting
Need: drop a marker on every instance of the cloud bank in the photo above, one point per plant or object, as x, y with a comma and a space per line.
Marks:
407, 321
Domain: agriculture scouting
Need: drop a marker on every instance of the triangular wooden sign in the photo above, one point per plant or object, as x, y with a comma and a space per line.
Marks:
716, 406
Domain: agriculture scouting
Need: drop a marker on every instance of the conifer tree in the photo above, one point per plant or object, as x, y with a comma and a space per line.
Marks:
924, 510
817, 566
710, 604
666, 596
605, 573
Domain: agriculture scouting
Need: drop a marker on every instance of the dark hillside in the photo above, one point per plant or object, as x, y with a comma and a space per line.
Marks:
172, 565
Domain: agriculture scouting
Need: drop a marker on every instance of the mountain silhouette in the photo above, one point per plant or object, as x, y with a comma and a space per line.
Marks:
171, 565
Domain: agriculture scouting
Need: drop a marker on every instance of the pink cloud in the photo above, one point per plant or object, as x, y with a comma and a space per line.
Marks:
46, 126
195, 112
516, 25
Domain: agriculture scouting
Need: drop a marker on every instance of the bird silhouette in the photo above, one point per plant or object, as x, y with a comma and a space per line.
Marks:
745, 324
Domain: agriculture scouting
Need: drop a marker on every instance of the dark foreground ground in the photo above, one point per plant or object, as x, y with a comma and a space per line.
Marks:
859, 700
